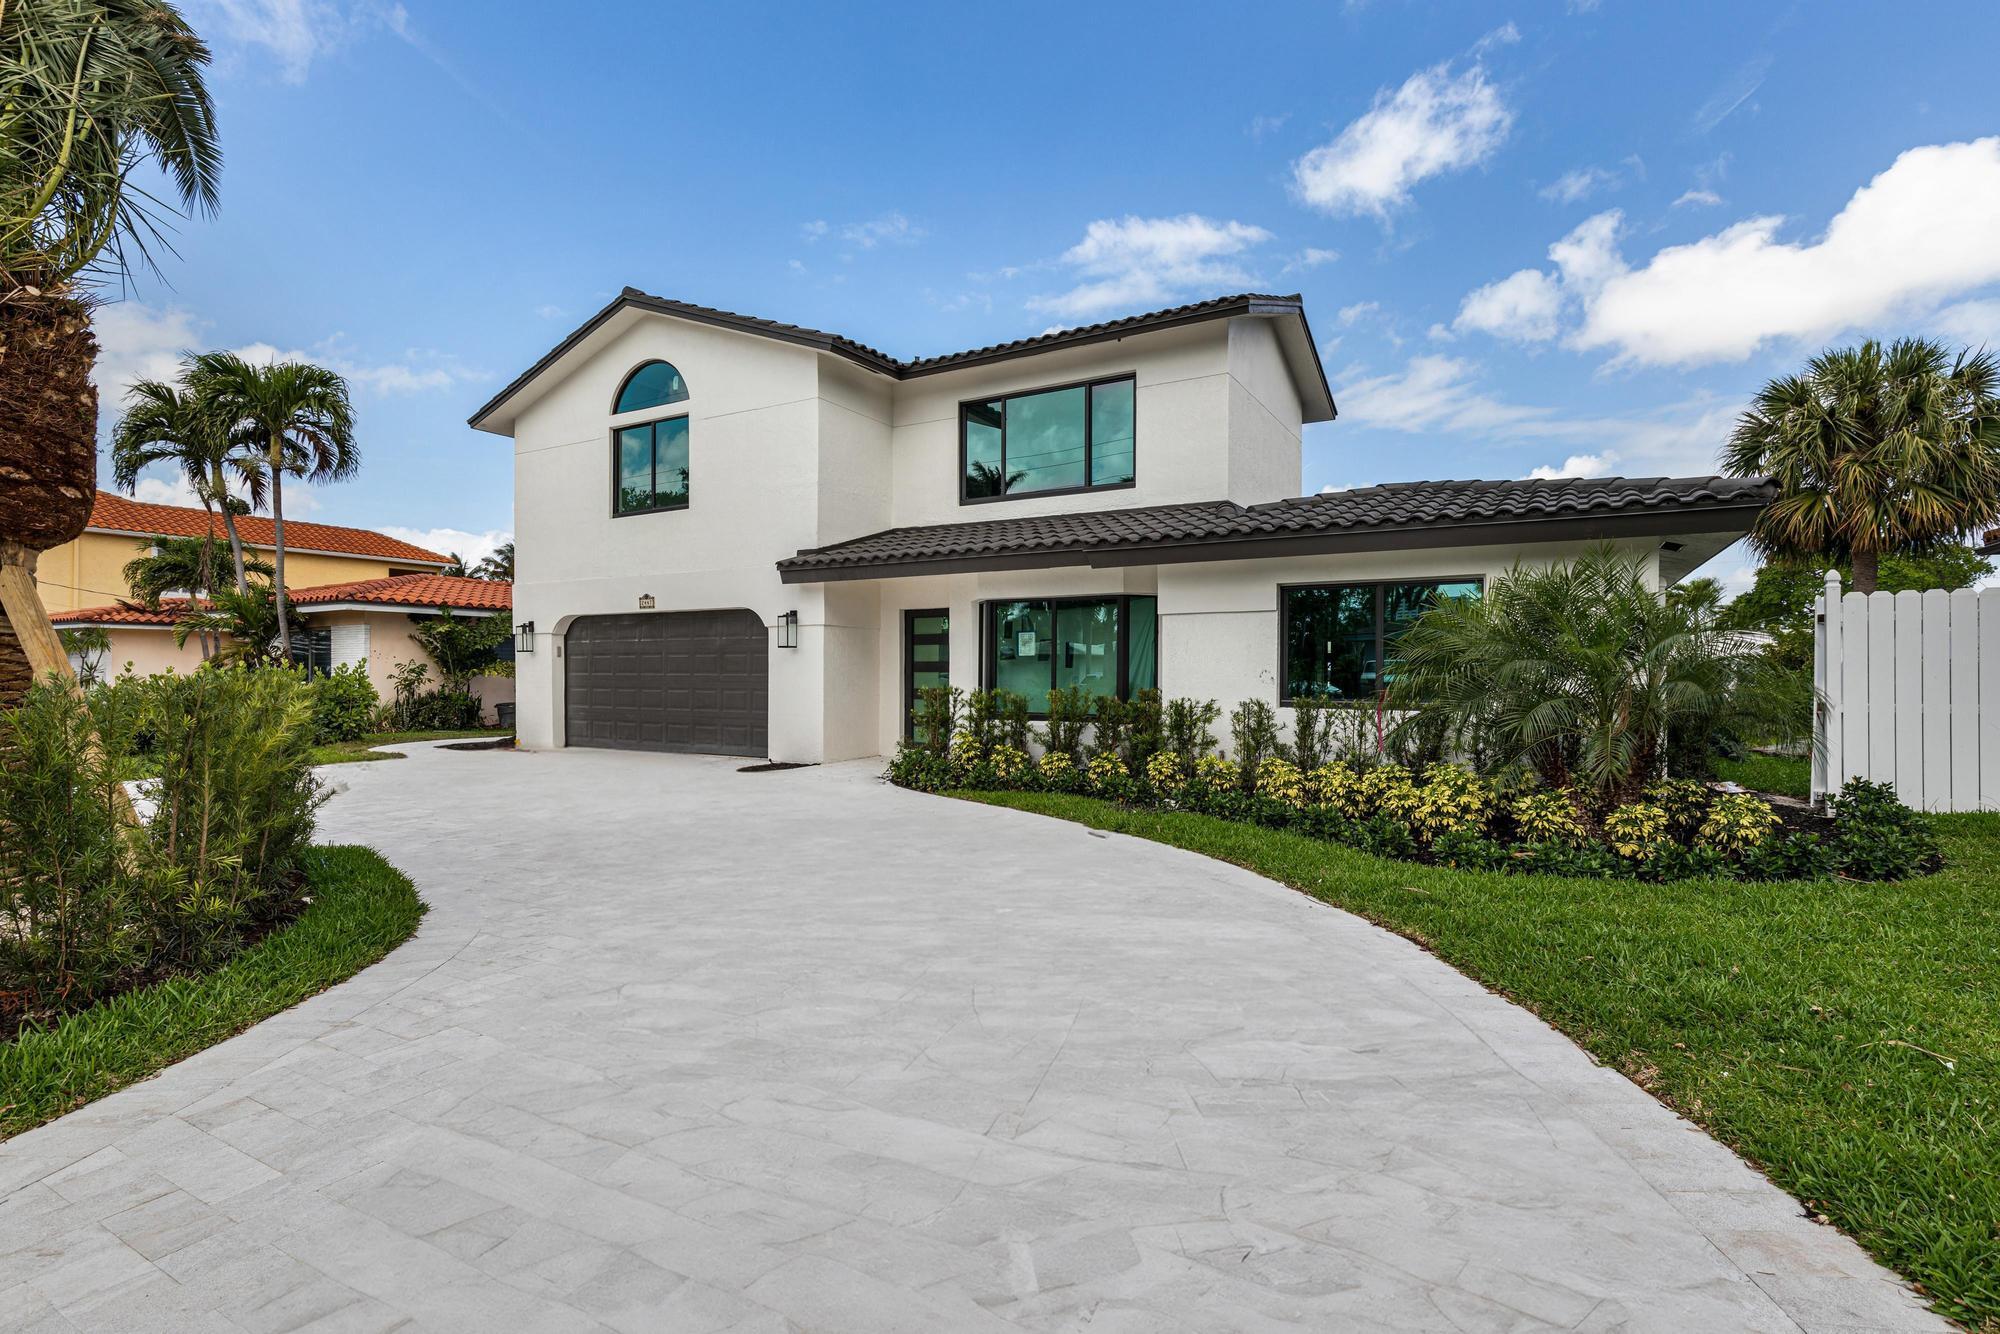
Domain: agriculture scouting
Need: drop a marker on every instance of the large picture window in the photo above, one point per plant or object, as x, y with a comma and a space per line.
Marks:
651, 461
1336, 637
1076, 438
1104, 646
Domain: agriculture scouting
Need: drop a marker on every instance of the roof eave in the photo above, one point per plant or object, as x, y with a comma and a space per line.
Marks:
1731, 517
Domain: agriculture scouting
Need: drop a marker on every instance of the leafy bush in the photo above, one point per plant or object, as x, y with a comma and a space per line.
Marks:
344, 702
1685, 801
1454, 800
1106, 775
933, 719
1010, 764
1280, 780
1188, 726
996, 718
1167, 773
1312, 734
1877, 837
1387, 790
1058, 771
93, 898
1548, 817
1338, 786
1213, 774
1790, 857
1145, 736
919, 768
419, 707
1109, 718
1735, 824
1069, 713
1637, 831
1253, 728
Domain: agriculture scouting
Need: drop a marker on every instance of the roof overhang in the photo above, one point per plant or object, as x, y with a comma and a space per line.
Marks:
290, 550
1729, 521
497, 414
416, 609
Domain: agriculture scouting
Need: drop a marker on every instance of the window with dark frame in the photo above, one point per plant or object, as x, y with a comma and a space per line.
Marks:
927, 658
650, 467
1102, 645
1077, 437
651, 384
1334, 639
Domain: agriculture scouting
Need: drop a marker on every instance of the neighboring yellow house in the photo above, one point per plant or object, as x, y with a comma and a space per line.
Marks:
89, 572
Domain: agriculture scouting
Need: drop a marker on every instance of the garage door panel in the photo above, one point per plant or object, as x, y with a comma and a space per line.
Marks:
681, 681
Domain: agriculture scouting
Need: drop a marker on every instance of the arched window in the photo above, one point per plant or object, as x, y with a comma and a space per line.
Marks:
652, 385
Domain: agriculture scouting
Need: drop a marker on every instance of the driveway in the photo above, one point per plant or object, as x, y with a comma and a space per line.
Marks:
682, 1048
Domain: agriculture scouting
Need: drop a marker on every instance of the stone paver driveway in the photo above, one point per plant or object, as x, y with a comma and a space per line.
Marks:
684, 1049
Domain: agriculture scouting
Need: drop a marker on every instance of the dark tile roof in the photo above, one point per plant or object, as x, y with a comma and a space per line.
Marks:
1242, 303
1435, 513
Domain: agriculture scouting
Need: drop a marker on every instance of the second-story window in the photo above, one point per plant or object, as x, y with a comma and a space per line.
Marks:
1075, 438
650, 460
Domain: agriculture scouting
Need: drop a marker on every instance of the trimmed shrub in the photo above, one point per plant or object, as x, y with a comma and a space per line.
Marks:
1685, 801
1167, 773
1735, 824
1188, 727
1069, 714
1106, 776
344, 703
1215, 774
1279, 780
1145, 736
1338, 787
1387, 790
1312, 734
1548, 817
1253, 728
1057, 770
1011, 765
1877, 837
1637, 830
1453, 800
934, 718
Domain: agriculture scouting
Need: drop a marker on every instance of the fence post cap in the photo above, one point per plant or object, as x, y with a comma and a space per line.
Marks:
1833, 582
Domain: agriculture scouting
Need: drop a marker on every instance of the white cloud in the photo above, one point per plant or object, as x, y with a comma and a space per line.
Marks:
1310, 258
1698, 199
1433, 395
294, 32
1436, 122
813, 230
171, 489
1262, 126
1523, 306
550, 312
1974, 322
1133, 261
138, 342
1360, 310
1737, 89
1575, 185
891, 228
472, 547
419, 371
1921, 232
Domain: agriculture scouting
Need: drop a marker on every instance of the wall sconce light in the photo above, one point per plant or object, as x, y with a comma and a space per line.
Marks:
524, 637
788, 630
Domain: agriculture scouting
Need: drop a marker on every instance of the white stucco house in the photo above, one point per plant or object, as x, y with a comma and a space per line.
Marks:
746, 537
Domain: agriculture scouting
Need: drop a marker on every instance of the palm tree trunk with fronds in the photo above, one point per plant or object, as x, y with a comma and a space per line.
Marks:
278, 545
48, 468
1865, 564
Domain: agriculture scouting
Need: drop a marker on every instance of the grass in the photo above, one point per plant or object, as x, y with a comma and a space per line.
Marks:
362, 750
1786, 775
361, 908
1843, 1036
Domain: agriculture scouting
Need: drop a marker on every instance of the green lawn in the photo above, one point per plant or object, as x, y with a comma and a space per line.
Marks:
1843, 1036
1769, 773
363, 750
361, 908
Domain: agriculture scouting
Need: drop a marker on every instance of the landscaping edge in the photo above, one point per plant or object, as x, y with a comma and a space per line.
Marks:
361, 908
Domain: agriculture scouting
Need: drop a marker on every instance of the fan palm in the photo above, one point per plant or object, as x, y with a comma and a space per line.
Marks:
91, 92
1580, 671
166, 423
243, 625
497, 566
179, 564
1875, 450
299, 415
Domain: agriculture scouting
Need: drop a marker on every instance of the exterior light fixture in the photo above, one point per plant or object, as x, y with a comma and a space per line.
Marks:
524, 637
788, 630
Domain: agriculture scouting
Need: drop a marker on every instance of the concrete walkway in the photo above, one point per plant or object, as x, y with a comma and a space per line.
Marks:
684, 1049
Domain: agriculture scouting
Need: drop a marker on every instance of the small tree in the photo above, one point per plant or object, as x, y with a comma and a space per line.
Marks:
461, 646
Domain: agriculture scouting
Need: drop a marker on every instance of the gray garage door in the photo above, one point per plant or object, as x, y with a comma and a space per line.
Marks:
681, 680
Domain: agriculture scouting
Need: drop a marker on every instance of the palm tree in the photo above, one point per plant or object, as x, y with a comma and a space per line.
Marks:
95, 93
457, 568
1581, 672
243, 625
1875, 450
299, 415
498, 566
166, 423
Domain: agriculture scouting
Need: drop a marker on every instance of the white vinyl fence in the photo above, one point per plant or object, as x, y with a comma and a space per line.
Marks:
1909, 693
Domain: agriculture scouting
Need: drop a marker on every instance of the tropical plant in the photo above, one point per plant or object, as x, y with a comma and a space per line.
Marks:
456, 568
243, 627
165, 423
1312, 733
1253, 733
181, 564
1069, 714
94, 94
1581, 671
1780, 602
1876, 449
298, 414
1187, 727
461, 646
986, 479
499, 565
87, 645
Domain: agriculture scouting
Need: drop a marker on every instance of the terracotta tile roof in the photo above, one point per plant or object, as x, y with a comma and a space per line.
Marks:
1242, 303
121, 613
1444, 513
414, 591
121, 514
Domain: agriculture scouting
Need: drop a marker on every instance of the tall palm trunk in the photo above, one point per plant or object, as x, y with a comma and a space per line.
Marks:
48, 469
1865, 563
229, 526
278, 543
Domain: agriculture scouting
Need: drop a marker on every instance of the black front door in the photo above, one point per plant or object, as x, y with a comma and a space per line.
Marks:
926, 657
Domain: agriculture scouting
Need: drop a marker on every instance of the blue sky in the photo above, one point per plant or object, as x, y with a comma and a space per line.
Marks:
1558, 237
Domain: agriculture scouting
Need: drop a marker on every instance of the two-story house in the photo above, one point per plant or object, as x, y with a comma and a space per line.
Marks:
746, 537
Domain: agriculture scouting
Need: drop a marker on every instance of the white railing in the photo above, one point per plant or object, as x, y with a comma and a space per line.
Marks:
1909, 693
